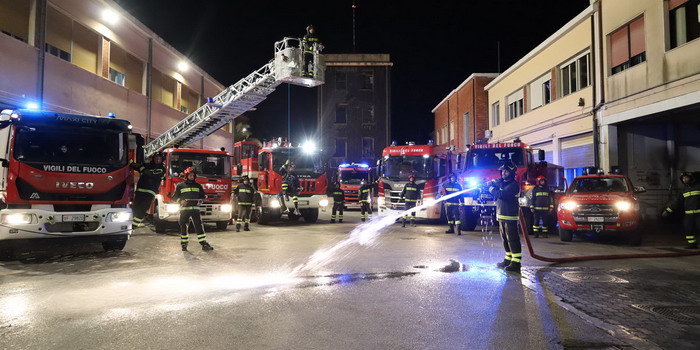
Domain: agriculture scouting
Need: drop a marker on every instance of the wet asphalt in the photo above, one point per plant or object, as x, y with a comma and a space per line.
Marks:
414, 288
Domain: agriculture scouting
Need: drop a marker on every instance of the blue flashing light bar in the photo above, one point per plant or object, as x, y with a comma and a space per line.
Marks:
32, 105
111, 115
344, 165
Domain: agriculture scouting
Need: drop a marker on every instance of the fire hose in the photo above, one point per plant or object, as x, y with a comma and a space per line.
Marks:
526, 237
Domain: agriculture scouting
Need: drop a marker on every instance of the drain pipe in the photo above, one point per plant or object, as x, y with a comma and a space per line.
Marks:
528, 244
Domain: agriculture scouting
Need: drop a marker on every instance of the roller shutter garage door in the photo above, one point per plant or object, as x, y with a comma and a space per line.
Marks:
577, 151
548, 148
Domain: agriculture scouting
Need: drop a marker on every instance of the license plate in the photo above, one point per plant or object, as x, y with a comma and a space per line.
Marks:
73, 218
485, 196
596, 219
303, 202
597, 228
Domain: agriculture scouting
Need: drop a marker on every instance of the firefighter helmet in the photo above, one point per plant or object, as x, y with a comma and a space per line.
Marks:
157, 154
688, 174
540, 179
188, 171
453, 175
411, 177
309, 28
244, 178
508, 166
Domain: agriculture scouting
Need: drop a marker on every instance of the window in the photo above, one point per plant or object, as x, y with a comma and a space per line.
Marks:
684, 21
540, 91
367, 82
341, 114
452, 131
341, 80
627, 46
445, 135
574, 76
368, 115
184, 109
367, 147
467, 131
57, 52
341, 146
515, 105
117, 76
495, 114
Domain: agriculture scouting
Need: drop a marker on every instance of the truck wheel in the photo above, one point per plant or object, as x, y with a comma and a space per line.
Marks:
469, 219
565, 235
293, 217
310, 215
221, 225
263, 219
159, 224
6, 253
634, 238
116, 243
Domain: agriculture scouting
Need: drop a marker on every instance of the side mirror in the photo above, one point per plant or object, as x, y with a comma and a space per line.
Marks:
4, 162
639, 189
544, 164
541, 155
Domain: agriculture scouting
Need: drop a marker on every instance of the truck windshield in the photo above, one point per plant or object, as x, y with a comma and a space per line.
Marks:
399, 167
488, 158
303, 162
599, 184
352, 177
210, 165
70, 146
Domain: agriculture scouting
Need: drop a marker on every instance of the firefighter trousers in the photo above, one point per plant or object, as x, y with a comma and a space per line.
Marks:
142, 201
543, 217
691, 226
409, 205
511, 239
337, 208
365, 208
191, 217
243, 214
452, 212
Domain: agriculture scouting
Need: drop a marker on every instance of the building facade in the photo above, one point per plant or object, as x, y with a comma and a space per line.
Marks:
354, 113
461, 118
92, 57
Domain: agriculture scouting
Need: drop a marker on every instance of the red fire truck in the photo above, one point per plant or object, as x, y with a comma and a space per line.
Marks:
480, 164
65, 175
350, 176
310, 170
429, 163
213, 172
245, 160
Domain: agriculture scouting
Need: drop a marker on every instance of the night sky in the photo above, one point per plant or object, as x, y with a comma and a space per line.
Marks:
434, 46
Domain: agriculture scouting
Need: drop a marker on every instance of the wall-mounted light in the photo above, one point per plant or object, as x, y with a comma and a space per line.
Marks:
581, 102
110, 16
183, 66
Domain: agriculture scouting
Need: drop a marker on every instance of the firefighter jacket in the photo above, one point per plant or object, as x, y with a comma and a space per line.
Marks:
542, 199
290, 184
365, 191
410, 192
506, 193
688, 201
309, 41
190, 191
450, 188
244, 194
337, 194
150, 176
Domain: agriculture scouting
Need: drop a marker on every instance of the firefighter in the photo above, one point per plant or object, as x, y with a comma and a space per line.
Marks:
338, 201
688, 201
309, 44
542, 207
291, 187
150, 176
190, 194
284, 169
244, 198
506, 191
365, 196
410, 195
452, 204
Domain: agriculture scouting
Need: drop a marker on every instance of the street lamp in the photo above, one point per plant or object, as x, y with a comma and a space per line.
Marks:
183, 66
110, 16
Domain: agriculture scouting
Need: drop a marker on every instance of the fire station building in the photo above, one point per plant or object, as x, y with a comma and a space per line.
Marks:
92, 57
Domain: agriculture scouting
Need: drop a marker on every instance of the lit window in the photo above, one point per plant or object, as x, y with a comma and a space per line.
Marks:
495, 114
540, 91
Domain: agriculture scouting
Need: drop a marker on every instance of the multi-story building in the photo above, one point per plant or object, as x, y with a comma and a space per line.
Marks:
92, 57
546, 98
461, 118
354, 107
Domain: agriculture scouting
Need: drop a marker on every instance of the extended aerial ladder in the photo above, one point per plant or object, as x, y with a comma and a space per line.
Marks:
285, 67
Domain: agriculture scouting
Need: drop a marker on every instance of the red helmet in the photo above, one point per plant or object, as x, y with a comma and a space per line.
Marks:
411, 177
189, 170
541, 178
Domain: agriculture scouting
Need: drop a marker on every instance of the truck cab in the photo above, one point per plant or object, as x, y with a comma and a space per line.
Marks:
600, 203
350, 175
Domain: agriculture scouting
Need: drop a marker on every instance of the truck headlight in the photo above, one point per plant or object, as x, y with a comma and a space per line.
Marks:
274, 203
570, 205
17, 219
623, 206
323, 202
122, 216
429, 201
226, 208
471, 182
172, 208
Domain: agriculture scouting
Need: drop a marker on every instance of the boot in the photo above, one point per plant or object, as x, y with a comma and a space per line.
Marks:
297, 212
332, 221
459, 230
184, 247
340, 221
692, 246
245, 227
451, 230
513, 267
238, 227
413, 223
206, 247
403, 224
503, 264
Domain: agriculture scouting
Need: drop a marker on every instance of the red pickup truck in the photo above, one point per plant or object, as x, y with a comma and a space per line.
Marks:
600, 203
